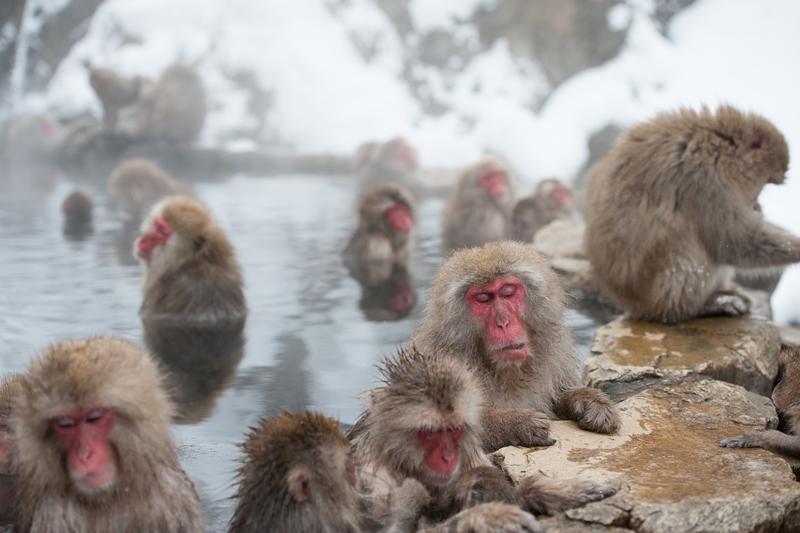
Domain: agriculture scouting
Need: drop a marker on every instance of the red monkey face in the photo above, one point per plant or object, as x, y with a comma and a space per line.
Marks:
84, 436
494, 182
406, 156
497, 305
441, 454
158, 235
399, 216
561, 196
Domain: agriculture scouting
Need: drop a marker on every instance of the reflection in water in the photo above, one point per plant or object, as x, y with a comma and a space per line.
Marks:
200, 360
391, 298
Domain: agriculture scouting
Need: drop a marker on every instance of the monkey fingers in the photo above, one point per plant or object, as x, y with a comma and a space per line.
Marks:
543, 495
515, 427
590, 409
751, 440
490, 517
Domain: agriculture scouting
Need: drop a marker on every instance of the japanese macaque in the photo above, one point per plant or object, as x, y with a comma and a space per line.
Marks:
172, 110
297, 476
479, 208
501, 308
385, 222
93, 448
115, 92
200, 359
786, 397
136, 184
392, 299
671, 208
551, 200
425, 423
191, 272
393, 161
77, 209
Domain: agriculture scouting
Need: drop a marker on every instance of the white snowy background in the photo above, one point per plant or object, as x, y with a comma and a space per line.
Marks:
327, 98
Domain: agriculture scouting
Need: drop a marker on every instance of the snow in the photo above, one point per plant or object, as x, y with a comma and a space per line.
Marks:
334, 70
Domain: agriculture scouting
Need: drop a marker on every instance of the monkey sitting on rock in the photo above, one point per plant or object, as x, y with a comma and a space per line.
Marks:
673, 206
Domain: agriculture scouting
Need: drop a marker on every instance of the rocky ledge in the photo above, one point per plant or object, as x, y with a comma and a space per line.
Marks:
668, 465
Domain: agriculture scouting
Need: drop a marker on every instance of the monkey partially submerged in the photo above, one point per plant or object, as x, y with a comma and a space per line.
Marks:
479, 207
137, 184
552, 199
674, 204
93, 450
191, 268
786, 397
500, 308
425, 423
394, 161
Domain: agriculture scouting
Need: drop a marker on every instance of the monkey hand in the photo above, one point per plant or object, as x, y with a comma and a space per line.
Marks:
550, 496
592, 410
729, 303
751, 440
489, 517
407, 502
515, 427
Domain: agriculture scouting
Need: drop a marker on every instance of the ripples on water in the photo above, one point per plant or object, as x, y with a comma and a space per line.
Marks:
307, 344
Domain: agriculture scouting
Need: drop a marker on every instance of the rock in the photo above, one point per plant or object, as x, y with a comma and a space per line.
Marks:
790, 334
561, 238
666, 459
738, 350
600, 143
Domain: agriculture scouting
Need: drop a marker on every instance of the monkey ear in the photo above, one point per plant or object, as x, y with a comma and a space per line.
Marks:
299, 481
757, 142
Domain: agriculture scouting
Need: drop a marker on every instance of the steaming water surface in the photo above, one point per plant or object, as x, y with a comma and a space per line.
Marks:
308, 345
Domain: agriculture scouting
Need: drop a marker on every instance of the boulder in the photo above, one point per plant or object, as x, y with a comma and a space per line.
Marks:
739, 350
666, 460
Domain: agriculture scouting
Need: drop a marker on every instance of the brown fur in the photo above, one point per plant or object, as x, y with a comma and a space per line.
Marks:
136, 184
294, 478
436, 392
77, 208
115, 92
547, 381
9, 387
786, 397
488, 518
195, 275
534, 212
151, 493
172, 110
673, 203
471, 216
375, 240
376, 164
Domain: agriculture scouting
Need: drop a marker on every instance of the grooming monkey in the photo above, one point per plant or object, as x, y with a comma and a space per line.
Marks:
674, 205
500, 308
425, 424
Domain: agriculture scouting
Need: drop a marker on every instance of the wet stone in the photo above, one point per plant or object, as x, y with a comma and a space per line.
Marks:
739, 350
666, 460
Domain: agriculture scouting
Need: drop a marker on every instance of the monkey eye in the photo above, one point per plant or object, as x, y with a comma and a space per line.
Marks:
94, 415
508, 290
483, 297
64, 422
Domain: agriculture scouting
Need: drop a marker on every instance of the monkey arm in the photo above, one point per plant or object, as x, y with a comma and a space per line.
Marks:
515, 427
488, 518
542, 495
772, 440
407, 503
589, 408
753, 243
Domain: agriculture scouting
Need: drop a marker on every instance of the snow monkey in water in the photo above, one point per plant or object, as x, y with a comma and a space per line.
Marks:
675, 203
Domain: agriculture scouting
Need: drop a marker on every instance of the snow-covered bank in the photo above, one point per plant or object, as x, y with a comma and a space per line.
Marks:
327, 96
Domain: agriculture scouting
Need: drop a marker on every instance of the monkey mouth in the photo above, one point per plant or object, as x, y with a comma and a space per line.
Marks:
513, 353
96, 481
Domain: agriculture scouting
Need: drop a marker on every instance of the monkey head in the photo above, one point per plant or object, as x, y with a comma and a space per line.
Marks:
787, 384
178, 229
500, 304
389, 208
557, 194
86, 412
489, 179
424, 423
402, 155
296, 472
